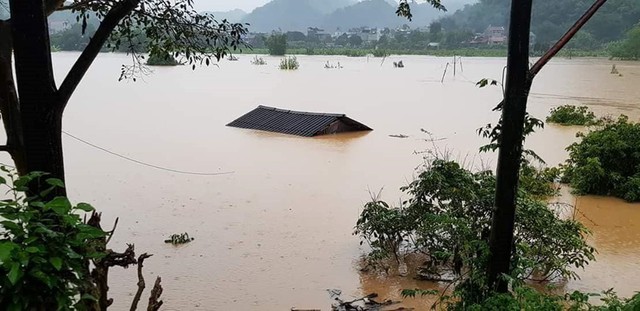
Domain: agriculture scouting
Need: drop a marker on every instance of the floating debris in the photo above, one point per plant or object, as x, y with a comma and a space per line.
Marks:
177, 239
366, 303
398, 136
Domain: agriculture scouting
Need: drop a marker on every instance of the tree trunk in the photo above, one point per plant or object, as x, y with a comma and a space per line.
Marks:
9, 106
517, 88
39, 109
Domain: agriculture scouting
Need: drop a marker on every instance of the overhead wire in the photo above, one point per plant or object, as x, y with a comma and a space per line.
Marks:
141, 162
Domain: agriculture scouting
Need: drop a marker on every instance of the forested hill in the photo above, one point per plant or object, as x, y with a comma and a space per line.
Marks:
551, 18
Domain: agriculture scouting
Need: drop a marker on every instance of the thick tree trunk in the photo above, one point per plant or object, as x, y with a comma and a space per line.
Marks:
9, 106
40, 108
517, 88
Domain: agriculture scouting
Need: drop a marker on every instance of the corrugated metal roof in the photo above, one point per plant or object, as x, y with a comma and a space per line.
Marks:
290, 122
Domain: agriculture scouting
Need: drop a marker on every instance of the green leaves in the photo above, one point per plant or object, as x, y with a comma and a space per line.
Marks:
55, 182
404, 9
60, 205
56, 262
606, 161
6, 248
85, 207
45, 247
14, 273
572, 115
447, 217
484, 82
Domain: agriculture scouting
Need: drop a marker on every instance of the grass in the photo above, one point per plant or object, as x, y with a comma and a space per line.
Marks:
289, 63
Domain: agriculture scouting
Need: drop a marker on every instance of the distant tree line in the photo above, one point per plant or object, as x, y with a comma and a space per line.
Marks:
551, 19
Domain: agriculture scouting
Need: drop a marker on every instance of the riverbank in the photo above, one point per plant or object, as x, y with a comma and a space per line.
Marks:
469, 52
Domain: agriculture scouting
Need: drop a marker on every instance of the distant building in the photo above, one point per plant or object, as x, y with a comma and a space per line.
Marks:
495, 35
319, 34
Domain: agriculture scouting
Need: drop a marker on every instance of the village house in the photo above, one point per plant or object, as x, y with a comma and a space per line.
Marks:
495, 35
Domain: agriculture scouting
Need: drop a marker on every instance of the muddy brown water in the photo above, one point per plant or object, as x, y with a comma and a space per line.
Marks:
276, 232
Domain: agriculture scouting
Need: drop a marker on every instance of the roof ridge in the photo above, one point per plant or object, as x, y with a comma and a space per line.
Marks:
338, 115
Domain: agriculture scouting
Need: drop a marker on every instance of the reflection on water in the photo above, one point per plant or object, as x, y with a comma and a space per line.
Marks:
278, 231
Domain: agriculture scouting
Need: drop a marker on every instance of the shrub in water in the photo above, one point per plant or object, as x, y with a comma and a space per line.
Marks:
289, 63
572, 115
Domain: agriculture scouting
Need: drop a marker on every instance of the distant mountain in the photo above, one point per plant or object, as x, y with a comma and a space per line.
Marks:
233, 16
372, 13
381, 13
291, 15
328, 6
288, 15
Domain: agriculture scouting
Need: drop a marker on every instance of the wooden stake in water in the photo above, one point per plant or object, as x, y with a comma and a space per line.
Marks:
444, 73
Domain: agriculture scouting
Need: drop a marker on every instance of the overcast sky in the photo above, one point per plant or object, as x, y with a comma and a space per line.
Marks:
226, 5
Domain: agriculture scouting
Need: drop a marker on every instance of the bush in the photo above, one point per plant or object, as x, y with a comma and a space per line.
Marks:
44, 249
572, 115
607, 161
447, 219
50, 258
162, 59
289, 63
528, 299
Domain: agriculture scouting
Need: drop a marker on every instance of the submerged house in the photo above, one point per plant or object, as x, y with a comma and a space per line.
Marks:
297, 122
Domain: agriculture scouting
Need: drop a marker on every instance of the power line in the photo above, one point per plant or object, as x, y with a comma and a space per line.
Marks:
140, 162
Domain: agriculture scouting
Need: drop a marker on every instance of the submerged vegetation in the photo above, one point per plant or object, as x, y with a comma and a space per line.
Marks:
289, 63
606, 161
162, 59
258, 61
572, 115
447, 219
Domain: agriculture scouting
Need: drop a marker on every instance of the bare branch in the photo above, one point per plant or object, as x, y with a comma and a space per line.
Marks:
79, 69
141, 283
154, 300
115, 225
565, 39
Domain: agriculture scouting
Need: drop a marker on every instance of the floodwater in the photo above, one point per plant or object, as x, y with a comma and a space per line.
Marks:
276, 231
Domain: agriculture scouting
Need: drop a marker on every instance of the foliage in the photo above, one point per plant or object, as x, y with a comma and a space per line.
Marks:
289, 63
606, 161
551, 19
52, 259
258, 61
72, 39
447, 219
572, 115
380, 53
525, 298
583, 40
39, 264
629, 48
154, 26
162, 59
277, 44
179, 238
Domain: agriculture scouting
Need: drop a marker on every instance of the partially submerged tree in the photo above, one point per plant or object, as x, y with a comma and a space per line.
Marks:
32, 111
